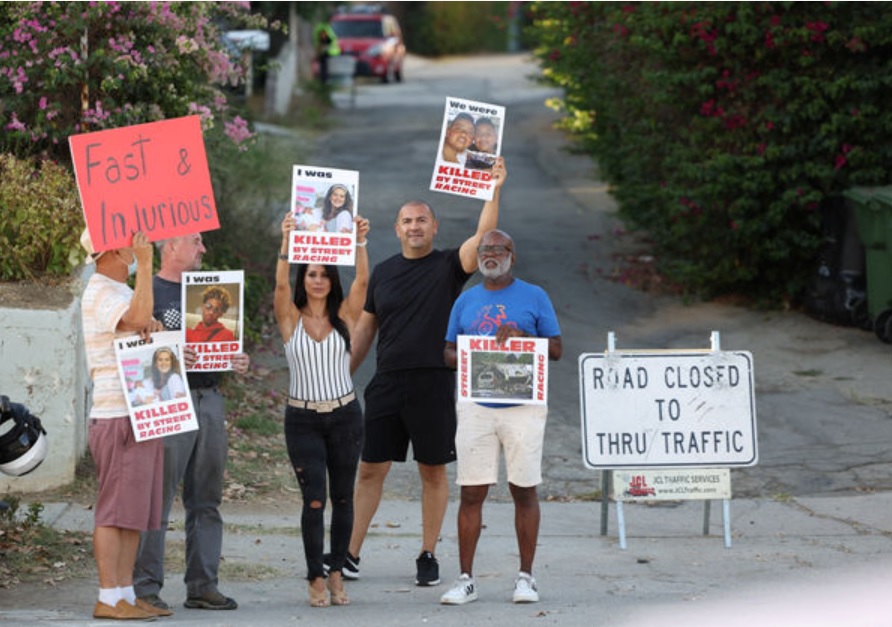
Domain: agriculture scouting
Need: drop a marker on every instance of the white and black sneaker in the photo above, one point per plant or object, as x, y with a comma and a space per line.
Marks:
525, 590
464, 590
350, 569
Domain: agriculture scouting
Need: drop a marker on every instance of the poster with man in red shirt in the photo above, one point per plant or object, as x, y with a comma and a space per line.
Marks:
213, 316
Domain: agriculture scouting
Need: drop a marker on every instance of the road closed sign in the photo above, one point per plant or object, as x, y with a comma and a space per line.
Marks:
667, 410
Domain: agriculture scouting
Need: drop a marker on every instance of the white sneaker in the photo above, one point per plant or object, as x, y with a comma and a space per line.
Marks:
464, 590
525, 590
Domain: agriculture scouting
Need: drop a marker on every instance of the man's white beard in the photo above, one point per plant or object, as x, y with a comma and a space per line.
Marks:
494, 273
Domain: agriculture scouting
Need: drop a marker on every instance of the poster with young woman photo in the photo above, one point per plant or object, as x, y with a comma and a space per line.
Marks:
324, 201
153, 374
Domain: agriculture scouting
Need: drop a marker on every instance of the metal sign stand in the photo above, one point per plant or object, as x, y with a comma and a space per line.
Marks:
607, 476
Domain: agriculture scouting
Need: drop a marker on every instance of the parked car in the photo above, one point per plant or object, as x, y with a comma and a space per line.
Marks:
375, 39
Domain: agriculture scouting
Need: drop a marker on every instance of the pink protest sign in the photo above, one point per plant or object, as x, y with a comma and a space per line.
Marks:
147, 177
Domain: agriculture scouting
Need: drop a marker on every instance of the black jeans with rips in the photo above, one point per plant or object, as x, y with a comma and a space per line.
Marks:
324, 450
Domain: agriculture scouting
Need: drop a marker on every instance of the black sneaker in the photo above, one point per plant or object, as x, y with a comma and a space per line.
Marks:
350, 569
428, 570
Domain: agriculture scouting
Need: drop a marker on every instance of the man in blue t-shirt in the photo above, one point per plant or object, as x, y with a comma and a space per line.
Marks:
505, 307
411, 397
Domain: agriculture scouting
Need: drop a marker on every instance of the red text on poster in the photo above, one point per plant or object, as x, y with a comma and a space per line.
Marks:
512, 372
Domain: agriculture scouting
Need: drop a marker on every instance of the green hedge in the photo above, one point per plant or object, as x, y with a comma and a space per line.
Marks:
723, 127
42, 220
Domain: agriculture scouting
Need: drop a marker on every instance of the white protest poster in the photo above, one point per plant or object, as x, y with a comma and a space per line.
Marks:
213, 317
324, 201
154, 379
514, 372
470, 141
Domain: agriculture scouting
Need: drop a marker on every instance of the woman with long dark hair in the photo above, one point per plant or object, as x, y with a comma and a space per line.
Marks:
323, 419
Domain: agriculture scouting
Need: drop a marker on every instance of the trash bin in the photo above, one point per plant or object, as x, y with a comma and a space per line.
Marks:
342, 73
837, 292
873, 210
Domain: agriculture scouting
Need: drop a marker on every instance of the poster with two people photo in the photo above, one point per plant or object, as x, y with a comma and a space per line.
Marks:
470, 141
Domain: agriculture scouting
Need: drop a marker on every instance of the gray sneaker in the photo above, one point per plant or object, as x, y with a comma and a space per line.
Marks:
155, 601
211, 601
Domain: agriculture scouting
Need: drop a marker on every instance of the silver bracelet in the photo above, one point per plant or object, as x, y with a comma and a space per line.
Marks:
362, 244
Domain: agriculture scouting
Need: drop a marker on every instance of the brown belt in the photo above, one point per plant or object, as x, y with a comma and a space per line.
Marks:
322, 407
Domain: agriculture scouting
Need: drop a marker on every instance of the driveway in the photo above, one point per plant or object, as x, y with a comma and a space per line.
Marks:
822, 395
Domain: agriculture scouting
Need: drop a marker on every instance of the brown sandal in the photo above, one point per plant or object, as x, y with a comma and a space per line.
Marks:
318, 598
336, 588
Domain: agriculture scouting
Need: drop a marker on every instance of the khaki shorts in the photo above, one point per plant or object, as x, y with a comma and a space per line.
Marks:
482, 431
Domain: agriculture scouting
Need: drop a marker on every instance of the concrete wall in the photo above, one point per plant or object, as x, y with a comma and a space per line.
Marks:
292, 64
42, 366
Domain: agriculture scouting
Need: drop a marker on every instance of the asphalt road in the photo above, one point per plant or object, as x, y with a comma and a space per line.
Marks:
822, 401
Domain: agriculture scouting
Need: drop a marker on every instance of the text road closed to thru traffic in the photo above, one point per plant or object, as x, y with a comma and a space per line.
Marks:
667, 410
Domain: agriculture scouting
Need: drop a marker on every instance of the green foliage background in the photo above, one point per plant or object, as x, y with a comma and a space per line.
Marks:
442, 28
69, 68
723, 128
42, 220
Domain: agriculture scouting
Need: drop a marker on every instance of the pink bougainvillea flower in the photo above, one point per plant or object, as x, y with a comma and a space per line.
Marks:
817, 29
735, 121
708, 107
237, 130
15, 124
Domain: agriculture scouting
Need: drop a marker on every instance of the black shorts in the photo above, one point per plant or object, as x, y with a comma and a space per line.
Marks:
416, 406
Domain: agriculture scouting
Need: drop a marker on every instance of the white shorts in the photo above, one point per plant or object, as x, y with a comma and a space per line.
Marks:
482, 431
